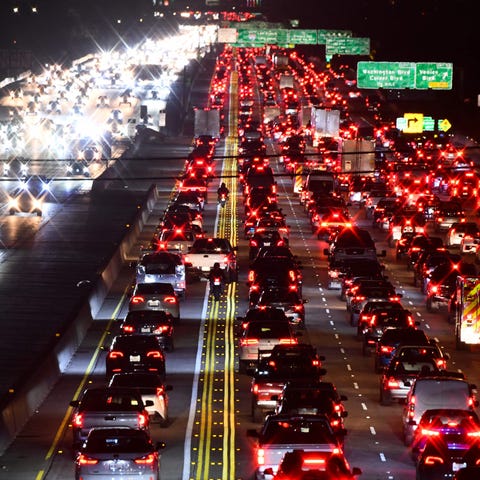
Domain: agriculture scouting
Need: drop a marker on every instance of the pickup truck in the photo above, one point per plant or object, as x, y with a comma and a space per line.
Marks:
108, 407
284, 433
205, 252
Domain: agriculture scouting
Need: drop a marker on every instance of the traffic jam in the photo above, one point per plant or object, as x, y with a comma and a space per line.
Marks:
306, 222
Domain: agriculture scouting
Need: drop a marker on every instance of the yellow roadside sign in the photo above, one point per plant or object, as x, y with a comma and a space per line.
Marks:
444, 125
414, 123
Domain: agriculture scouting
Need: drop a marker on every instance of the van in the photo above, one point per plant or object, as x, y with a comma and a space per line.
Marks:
441, 390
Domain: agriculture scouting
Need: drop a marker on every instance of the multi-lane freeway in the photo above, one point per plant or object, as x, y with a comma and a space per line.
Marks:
210, 401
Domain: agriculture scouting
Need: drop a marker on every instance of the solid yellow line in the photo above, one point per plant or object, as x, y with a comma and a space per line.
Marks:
61, 429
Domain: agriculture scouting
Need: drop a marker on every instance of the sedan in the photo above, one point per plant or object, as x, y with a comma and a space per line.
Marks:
135, 353
155, 296
118, 452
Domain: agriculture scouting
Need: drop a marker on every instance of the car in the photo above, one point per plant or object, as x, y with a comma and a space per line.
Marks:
151, 387
262, 334
443, 389
458, 231
441, 458
287, 300
150, 322
397, 378
177, 240
135, 353
305, 400
351, 270
301, 465
30, 196
116, 451
393, 338
162, 267
446, 214
374, 321
419, 244
275, 368
282, 433
428, 261
463, 424
403, 244
155, 296
101, 407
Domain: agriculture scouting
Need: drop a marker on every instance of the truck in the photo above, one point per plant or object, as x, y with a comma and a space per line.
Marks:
280, 61
464, 311
270, 114
285, 81
207, 122
323, 123
357, 156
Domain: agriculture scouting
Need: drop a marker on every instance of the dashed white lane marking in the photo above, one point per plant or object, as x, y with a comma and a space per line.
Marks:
382, 457
364, 406
372, 431
410, 302
342, 350
427, 326
327, 310
349, 368
355, 385
336, 336
332, 322
418, 314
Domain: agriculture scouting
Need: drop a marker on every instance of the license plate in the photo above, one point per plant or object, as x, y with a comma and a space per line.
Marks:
266, 244
205, 269
145, 330
118, 466
457, 466
154, 303
134, 358
217, 282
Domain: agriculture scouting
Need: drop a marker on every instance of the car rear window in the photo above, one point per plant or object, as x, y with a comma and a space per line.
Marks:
298, 431
269, 330
110, 400
118, 442
448, 392
154, 288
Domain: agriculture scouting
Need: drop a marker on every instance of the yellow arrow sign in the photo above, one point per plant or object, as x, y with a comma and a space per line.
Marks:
444, 125
414, 122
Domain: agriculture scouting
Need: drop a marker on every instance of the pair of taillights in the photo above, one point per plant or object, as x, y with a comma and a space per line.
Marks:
137, 299
152, 354
85, 460
78, 420
249, 342
158, 330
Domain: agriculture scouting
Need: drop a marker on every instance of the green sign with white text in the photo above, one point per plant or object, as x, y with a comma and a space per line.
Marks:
347, 46
322, 35
402, 75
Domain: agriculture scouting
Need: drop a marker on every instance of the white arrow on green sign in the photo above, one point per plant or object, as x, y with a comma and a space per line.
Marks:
437, 76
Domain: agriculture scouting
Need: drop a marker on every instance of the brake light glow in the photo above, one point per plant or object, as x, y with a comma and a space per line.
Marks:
314, 461
78, 420
255, 389
247, 342
261, 456
170, 300
392, 383
115, 354
154, 354
85, 460
128, 329
146, 460
137, 299
160, 391
432, 460
430, 433
288, 341
142, 420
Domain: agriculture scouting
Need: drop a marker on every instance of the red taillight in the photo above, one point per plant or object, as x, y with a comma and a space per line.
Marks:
386, 349
248, 342
288, 341
115, 354
251, 276
146, 460
430, 433
135, 300
432, 460
142, 420
78, 420
128, 329
253, 243
392, 383
84, 460
261, 456
359, 298
441, 363
154, 354
170, 300
160, 391
433, 288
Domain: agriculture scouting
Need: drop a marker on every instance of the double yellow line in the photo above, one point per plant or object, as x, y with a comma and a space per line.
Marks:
219, 338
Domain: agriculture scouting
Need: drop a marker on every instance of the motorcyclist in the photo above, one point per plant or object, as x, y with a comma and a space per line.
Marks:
222, 190
216, 273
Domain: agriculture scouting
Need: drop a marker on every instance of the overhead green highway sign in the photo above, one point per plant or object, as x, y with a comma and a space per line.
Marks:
322, 35
437, 76
347, 46
403, 75
302, 37
257, 37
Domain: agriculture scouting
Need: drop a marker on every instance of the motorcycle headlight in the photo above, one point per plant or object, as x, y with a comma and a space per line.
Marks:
13, 203
37, 203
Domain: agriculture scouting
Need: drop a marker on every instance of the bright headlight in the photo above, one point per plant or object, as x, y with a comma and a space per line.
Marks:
13, 203
37, 203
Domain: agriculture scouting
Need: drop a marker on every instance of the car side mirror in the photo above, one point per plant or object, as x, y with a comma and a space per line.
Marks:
75, 403
407, 383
